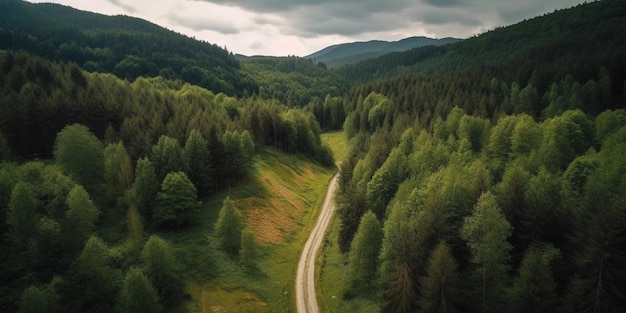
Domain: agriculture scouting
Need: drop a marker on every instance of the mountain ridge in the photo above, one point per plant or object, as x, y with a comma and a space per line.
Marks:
353, 52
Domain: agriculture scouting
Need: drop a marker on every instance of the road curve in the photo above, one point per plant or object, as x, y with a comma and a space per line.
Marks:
305, 279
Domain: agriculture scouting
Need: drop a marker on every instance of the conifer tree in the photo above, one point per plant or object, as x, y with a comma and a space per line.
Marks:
137, 294
440, 284
486, 232
365, 251
160, 268
198, 160
228, 227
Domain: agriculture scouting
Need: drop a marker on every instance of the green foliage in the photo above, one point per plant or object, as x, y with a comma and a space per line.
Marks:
238, 152
400, 261
82, 215
36, 299
145, 186
364, 252
21, 218
160, 268
229, 226
534, 290
385, 182
168, 157
126, 46
93, 282
486, 232
80, 154
198, 160
137, 294
118, 170
176, 203
441, 283
293, 80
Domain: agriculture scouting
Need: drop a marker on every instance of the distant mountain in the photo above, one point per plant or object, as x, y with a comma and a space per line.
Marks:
350, 53
125, 46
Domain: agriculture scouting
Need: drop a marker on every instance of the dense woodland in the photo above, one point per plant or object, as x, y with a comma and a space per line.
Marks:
125, 46
483, 176
495, 185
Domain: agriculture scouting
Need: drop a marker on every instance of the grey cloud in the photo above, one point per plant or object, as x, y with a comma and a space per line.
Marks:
312, 18
200, 24
128, 8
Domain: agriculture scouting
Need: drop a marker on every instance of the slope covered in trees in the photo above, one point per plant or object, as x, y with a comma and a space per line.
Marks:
141, 156
292, 80
126, 46
497, 179
541, 50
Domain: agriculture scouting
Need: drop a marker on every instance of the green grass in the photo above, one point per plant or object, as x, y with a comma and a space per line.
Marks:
337, 143
286, 190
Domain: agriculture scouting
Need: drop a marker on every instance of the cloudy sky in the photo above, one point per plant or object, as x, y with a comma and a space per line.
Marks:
301, 27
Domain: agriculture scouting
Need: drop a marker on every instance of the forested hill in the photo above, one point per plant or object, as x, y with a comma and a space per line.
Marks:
128, 47
572, 41
354, 52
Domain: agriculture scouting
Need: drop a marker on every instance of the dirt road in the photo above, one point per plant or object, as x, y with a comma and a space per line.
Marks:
305, 279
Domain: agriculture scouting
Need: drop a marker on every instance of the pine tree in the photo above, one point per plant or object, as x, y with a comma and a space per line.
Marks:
534, 289
486, 232
365, 251
440, 285
145, 186
160, 268
198, 160
137, 294
228, 227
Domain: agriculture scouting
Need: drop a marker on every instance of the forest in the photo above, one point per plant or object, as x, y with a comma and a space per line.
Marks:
482, 176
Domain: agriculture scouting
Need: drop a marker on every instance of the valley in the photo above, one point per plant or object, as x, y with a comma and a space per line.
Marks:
143, 170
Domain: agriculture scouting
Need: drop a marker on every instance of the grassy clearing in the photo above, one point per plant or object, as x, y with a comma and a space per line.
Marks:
280, 202
337, 143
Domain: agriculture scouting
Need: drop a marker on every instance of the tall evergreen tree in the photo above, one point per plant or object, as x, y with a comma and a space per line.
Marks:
440, 284
82, 215
118, 170
365, 251
229, 226
486, 232
160, 268
534, 290
145, 186
199, 162
167, 157
137, 294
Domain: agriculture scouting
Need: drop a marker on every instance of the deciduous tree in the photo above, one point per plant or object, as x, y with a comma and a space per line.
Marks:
80, 154
177, 202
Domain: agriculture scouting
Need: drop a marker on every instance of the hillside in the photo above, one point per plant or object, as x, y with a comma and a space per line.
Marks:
574, 41
487, 175
294, 81
350, 53
126, 46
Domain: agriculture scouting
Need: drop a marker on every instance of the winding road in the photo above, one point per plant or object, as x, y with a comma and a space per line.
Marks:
305, 280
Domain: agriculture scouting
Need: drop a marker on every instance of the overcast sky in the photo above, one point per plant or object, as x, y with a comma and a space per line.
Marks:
301, 27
